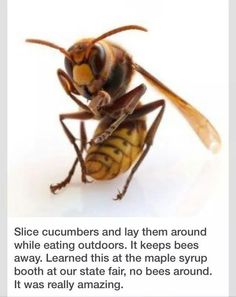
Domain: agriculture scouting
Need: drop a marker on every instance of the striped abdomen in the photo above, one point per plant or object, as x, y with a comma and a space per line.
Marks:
116, 154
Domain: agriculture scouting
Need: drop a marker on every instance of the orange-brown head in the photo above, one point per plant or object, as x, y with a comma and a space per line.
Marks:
89, 62
85, 68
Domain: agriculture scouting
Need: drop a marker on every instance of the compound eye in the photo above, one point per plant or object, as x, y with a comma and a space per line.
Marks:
97, 59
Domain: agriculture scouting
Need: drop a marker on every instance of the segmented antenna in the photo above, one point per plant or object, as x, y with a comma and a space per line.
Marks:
50, 44
112, 32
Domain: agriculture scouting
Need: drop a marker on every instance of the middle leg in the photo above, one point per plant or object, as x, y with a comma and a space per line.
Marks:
79, 158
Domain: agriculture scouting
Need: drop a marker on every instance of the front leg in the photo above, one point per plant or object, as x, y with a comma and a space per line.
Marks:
99, 100
120, 109
69, 88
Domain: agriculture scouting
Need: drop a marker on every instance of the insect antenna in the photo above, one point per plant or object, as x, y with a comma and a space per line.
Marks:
112, 32
50, 44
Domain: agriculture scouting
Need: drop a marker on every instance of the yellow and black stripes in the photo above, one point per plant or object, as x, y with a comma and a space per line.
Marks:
117, 153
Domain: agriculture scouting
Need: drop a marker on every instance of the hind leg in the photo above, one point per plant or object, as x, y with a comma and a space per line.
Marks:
148, 139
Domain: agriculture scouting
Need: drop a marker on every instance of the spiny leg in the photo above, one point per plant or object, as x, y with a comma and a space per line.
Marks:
79, 158
148, 139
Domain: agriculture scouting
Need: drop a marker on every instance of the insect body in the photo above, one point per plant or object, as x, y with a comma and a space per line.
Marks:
100, 71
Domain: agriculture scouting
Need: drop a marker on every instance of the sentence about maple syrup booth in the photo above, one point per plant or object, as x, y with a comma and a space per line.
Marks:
107, 259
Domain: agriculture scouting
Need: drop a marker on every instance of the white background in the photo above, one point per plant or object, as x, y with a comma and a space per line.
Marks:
186, 48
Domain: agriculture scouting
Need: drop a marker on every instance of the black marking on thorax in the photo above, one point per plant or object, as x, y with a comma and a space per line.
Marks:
120, 76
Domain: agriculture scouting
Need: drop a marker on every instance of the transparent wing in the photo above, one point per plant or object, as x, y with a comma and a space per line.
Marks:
200, 124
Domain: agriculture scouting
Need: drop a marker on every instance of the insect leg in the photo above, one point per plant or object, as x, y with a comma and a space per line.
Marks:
69, 88
83, 137
74, 116
148, 139
145, 109
120, 109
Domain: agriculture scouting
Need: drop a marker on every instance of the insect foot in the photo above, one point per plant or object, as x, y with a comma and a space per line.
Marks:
102, 98
86, 181
57, 187
119, 196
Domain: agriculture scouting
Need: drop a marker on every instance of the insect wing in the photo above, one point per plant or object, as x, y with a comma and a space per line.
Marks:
200, 124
